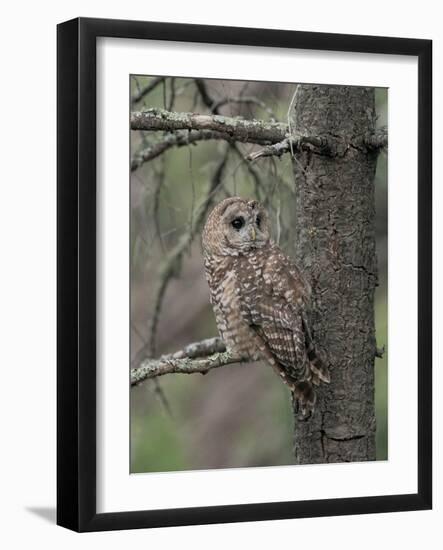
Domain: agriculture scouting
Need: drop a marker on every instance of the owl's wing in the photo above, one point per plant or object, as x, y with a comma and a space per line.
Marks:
275, 307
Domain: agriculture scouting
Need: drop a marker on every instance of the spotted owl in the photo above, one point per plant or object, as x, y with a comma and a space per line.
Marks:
260, 297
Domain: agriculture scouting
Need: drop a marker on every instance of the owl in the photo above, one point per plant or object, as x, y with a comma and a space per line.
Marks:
260, 298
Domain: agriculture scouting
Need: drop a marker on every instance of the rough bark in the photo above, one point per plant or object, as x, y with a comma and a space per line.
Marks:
336, 245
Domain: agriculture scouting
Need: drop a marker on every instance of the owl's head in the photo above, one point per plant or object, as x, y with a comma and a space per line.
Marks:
234, 226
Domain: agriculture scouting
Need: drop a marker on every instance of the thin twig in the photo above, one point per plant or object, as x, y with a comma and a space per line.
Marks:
162, 397
191, 177
295, 143
292, 103
171, 95
164, 94
159, 180
205, 95
180, 138
272, 150
256, 174
379, 352
141, 93
248, 100
157, 386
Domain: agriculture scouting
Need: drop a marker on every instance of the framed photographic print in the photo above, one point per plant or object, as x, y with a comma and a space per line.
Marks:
244, 274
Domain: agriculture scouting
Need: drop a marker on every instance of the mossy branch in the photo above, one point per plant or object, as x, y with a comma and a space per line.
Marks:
243, 130
189, 128
199, 357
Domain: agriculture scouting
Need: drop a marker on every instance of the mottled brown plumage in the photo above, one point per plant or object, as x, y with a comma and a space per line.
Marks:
260, 297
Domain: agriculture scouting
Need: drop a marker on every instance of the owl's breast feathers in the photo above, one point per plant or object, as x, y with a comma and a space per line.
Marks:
222, 275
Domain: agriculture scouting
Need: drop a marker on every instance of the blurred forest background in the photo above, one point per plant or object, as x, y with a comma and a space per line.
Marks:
240, 415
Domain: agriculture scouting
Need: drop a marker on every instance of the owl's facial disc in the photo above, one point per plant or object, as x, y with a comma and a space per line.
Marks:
235, 225
245, 225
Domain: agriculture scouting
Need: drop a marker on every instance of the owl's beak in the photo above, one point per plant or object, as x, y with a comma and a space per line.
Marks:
252, 233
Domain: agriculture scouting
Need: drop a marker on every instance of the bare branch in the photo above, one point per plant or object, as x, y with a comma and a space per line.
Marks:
157, 387
172, 94
180, 138
214, 105
253, 171
319, 144
206, 97
248, 100
199, 357
297, 143
273, 135
276, 149
377, 140
158, 184
162, 397
292, 103
251, 131
379, 352
145, 91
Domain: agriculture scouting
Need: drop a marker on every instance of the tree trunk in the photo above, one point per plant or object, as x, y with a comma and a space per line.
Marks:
335, 236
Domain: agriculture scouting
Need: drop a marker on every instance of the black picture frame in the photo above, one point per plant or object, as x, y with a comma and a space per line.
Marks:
76, 274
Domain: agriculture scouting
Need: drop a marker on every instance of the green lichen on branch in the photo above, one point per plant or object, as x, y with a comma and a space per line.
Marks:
243, 130
184, 361
189, 128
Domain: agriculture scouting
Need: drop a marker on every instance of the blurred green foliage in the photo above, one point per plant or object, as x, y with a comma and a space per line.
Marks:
239, 415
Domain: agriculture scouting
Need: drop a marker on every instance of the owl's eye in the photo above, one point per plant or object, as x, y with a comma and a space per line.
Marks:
238, 223
258, 221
